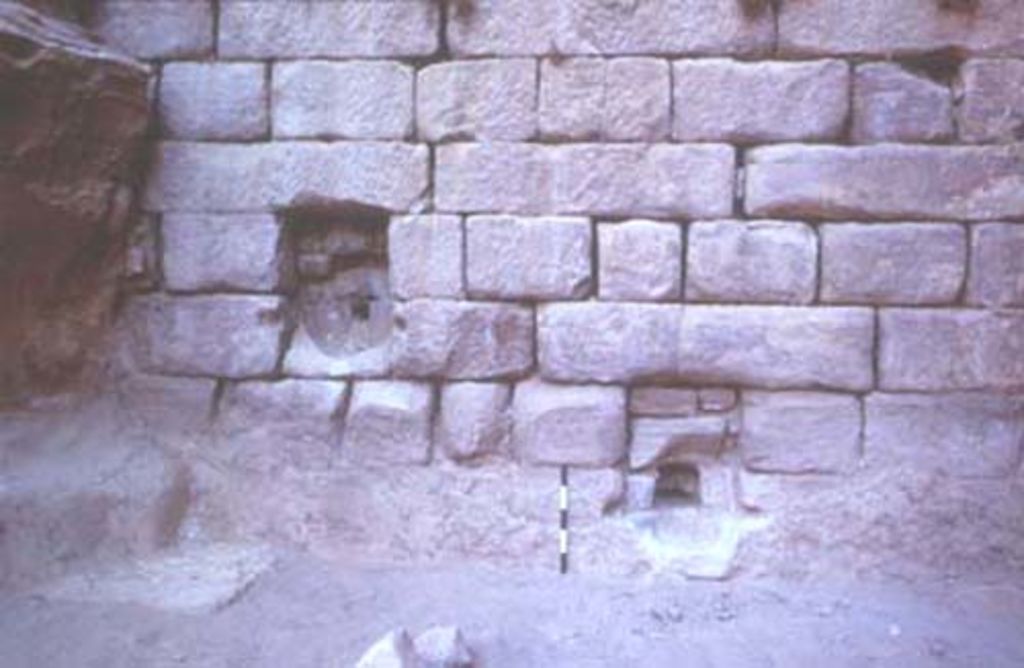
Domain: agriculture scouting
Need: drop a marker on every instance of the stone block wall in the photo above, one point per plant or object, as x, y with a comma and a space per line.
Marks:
696, 242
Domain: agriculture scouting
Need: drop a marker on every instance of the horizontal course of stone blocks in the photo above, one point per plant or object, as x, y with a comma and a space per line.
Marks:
601, 234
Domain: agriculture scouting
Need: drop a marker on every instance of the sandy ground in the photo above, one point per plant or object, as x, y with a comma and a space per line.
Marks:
293, 610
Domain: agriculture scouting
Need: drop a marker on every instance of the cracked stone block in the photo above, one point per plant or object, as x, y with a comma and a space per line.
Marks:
475, 420
800, 432
511, 257
899, 263
579, 425
747, 103
388, 422
777, 346
425, 256
893, 104
290, 423
477, 99
997, 265
607, 342
663, 401
658, 180
892, 29
621, 99
640, 260
942, 349
657, 440
993, 106
207, 253
214, 100
352, 100
462, 340
756, 261
156, 29
228, 336
884, 182
958, 434
191, 176
260, 30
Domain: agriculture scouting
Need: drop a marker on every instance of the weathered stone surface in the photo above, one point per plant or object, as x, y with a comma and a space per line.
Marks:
156, 28
214, 101
726, 100
225, 336
477, 99
475, 420
940, 349
388, 422
657, 440
716, 399
308, 357
73, 120
640, 260
353, 100
630, 180
285, 423
394, 650
892, 264
997, 265
758, 261
167, 404
502, 27
884, 28
425, 256
254, 177
223, 252
893, 104
800, 432
622, 99
663, 401
581, 425
443, 647
959, 434
261, 29
462, 340
777, 346
993, 104
886, 181
607, 342
509, 257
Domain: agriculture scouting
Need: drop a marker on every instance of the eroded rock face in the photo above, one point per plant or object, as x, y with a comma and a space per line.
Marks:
72, 117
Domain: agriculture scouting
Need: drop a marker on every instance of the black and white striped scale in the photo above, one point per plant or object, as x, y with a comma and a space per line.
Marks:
563, 524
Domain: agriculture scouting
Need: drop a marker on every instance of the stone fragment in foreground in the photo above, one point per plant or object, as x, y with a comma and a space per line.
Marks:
893, 104
475, 420
800, 432
745, 103
229, 336
886, 181
657, 180
640, 260
510, 257
582, 425
607, 342
941, 349
223, 252
751, 261
777, 346
462, 340
388, 422
425, 256
962, 434
894, 263
477, 99
997, 265
443, 647
394, 650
